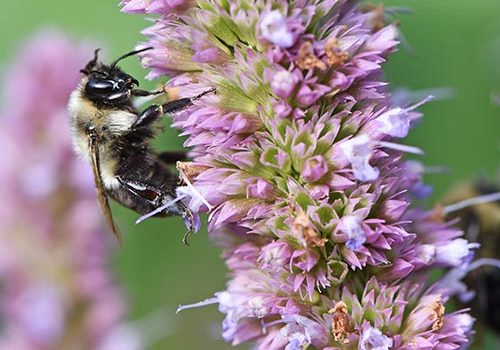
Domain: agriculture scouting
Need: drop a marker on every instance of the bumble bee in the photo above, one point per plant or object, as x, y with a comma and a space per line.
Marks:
110, 133
481, 223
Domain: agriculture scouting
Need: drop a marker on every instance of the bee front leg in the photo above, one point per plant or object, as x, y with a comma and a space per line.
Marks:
154, 112
144, 93
147, 117
182, 103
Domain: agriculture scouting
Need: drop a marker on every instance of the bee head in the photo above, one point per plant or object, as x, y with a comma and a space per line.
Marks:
108, 84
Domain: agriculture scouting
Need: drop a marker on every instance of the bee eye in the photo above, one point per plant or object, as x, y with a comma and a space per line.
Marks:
100, 85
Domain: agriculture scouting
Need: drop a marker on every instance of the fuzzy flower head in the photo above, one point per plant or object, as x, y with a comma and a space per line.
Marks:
302, 174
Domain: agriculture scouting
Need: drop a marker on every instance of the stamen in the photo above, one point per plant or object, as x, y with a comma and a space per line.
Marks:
487, 198
202, 303
160, 209
194, 190
399, 147
420, 103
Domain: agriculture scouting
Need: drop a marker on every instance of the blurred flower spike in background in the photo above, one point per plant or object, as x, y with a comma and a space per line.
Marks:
300, 157
57, 292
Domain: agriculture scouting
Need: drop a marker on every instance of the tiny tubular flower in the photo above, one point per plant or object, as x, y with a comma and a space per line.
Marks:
351, 225
314, 168
275, 29
358, 151
283, 83
396, 121
374, 339
454, 253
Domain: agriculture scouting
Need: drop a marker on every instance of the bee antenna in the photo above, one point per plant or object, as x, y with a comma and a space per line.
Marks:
88, 68
131, 53
96, 55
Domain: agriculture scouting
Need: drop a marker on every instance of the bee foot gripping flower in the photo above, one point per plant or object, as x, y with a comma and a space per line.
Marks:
298, 163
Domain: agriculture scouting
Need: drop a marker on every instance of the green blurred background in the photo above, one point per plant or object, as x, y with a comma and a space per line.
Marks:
457, 45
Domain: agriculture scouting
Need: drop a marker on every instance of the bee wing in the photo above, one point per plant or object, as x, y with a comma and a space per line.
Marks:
99, 186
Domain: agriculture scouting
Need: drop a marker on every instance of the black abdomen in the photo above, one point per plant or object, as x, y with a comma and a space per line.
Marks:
146, 183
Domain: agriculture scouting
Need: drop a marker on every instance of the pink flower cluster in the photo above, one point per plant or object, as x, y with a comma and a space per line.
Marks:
299, 163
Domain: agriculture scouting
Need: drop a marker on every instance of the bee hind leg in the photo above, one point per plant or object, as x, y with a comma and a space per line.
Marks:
154, 201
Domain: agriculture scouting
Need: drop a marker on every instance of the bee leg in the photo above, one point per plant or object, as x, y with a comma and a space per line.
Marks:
180, 104
154, 112
171, 157
148, 116
146, 198
143, 192
139, 92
